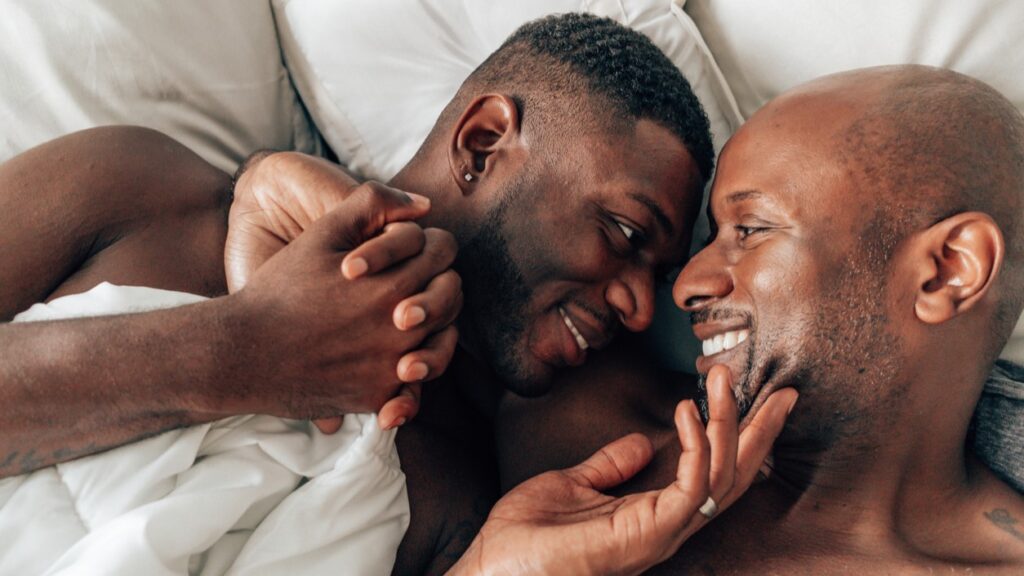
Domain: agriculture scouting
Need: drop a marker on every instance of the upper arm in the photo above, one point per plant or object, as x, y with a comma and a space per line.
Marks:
64, 201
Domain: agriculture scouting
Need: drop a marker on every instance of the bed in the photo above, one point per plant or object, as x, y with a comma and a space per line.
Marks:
365, 79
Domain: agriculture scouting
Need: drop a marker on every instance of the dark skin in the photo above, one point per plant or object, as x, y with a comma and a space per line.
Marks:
856, 474
131, 206
619, 196
615, 279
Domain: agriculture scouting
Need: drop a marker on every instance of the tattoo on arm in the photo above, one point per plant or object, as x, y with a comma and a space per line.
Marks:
1005, 522
23, 463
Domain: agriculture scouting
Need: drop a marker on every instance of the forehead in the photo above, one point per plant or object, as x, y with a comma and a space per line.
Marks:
647, 160
792, 154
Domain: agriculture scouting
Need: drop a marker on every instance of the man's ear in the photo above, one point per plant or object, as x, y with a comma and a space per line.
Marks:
960, 259
489, 124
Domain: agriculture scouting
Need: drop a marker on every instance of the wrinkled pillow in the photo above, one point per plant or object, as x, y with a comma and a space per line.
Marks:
209, 74
375, 74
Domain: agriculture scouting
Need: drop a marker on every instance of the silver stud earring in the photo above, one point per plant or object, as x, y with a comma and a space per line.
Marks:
468, 177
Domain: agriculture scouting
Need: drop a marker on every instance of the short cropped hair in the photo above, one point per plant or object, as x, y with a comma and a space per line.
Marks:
576, 62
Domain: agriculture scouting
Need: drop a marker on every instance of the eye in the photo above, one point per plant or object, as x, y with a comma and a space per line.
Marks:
633, 235
747, 231
627, 231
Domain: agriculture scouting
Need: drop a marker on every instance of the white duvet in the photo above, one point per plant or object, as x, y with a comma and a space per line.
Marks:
231, 497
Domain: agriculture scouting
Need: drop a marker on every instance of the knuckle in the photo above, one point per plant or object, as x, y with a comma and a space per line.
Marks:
362, 197
454, 280
441, 245
386, 194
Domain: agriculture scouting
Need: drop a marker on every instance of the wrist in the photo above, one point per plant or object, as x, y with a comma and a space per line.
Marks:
218, 391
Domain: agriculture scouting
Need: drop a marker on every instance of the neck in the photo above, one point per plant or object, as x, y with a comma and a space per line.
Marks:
882, 475
430, 178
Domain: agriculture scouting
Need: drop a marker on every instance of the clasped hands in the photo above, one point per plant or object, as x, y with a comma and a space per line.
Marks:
360, 300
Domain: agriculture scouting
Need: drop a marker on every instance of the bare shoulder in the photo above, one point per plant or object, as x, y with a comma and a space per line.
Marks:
1001, 522
119, 203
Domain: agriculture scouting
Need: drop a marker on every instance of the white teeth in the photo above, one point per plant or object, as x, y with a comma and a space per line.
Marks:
724, 342
580, 340
729, 342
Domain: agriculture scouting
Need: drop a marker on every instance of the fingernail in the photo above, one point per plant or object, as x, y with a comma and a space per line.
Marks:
354, 267
417, 371
414, 315
792, 404
419, 200
398, 422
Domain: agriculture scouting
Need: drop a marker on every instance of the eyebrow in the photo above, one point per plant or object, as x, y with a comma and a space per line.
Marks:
743, 195
735, 197
659, 215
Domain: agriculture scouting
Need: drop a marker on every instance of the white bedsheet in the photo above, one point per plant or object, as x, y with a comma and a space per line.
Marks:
222, 498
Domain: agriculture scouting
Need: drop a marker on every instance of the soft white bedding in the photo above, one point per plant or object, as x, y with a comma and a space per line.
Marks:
222, 498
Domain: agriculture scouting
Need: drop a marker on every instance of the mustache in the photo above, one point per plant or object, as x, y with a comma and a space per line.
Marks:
608, 321
717, 314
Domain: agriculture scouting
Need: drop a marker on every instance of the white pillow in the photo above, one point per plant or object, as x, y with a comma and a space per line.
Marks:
207, 73
765, 48
375, 74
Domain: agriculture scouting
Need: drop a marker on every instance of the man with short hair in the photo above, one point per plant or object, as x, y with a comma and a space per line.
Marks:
867, 249
568, 168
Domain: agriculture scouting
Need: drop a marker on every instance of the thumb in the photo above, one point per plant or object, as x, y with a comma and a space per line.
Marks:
613, 464
365, 213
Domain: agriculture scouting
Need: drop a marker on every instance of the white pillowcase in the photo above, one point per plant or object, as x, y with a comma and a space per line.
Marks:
207, 73
766, 48
375, 74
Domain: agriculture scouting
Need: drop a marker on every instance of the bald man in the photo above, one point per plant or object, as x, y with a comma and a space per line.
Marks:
867, 250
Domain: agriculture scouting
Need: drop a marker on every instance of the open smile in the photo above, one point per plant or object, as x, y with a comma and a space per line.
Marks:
719, 340
724, 342
580, 340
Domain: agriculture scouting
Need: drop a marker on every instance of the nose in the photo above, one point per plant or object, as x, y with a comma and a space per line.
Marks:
631, 295
705, 279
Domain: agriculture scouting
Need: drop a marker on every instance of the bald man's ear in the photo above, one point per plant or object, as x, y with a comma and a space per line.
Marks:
488, 127
960, 259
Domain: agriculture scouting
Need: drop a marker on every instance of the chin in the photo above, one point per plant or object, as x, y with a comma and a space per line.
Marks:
532, 386
525, 380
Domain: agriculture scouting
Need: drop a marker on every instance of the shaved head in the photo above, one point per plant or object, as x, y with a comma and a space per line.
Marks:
873, 217
929, 143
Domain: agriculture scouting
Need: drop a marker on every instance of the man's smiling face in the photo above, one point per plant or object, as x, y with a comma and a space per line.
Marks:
572, 250
791, 289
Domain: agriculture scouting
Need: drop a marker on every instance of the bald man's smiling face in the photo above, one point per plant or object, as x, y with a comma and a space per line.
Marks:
791, 289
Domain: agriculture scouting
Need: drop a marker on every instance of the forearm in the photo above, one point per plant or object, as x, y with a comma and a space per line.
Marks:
76, 387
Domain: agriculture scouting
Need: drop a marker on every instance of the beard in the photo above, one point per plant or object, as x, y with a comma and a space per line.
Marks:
743, 390
497, 299
838, 350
